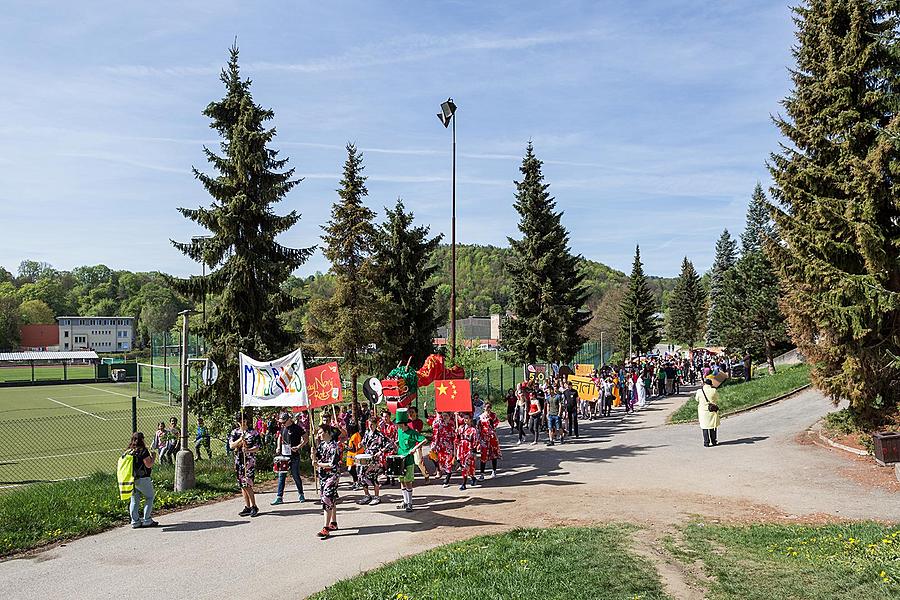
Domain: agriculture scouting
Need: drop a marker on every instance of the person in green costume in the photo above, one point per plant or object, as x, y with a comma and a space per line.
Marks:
408, 441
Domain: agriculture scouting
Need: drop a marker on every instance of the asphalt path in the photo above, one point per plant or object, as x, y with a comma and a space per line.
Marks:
627, 468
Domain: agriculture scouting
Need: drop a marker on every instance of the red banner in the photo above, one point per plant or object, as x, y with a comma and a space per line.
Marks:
323, 385
452, 395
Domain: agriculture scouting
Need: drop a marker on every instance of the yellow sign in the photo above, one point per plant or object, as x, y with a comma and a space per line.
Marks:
584, 370
585, 386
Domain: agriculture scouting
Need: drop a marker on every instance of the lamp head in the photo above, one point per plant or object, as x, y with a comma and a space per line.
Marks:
448, 109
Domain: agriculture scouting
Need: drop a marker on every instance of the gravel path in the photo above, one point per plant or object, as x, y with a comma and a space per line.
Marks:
627, 468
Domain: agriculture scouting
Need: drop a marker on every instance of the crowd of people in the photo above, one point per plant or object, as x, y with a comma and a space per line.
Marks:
380, 449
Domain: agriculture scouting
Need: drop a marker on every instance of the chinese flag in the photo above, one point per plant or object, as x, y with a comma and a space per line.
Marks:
323, 384
452, 395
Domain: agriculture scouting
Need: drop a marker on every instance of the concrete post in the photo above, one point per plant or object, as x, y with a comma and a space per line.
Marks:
184, 459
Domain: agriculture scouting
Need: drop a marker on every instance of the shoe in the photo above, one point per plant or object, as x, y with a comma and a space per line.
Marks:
706, 445
533, 443
278, 500
446, 485
427, 479
364, 500
150, 524
332, 526
375, 501
552, 443
245, 512
354, 487
409, 507
254, 511
520, 443
136, 525
493, 474
401, 506
462, 488
324, 534
301, 498
481, 477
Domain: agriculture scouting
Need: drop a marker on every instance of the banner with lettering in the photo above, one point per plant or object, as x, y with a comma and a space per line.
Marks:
583, 370
324, 385
585, 386
279, 382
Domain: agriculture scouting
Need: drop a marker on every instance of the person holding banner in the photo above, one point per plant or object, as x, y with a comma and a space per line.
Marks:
290, 439
327, 464
245, 443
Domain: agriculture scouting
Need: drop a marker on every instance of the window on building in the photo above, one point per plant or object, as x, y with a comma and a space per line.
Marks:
65, 334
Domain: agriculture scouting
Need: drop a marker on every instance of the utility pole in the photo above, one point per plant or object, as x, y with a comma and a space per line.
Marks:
184, 459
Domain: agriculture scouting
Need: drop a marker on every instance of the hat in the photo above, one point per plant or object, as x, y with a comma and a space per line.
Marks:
284, 416
718, 379
401, 416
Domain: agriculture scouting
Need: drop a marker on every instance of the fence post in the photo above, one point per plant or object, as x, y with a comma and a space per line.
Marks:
501, 381
134, 414
32, 371
65, 372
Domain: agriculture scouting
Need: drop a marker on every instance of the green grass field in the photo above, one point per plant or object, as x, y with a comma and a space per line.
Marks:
47, 373
734, 396
57, 432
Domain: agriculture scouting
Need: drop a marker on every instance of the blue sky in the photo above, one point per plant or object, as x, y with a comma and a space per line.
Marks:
653, 118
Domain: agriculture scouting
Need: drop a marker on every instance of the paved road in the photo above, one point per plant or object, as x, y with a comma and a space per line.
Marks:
627, 468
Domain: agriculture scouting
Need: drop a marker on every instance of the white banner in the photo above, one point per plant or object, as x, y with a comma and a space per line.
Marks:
280, 382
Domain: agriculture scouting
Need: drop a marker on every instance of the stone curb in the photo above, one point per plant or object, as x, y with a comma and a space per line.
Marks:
749, 408
834, 444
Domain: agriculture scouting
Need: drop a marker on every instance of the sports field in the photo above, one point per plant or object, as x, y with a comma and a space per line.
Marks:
54, 432
41, 373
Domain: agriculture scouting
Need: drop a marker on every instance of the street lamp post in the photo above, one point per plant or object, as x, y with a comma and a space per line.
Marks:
184, 459
448, 111
200, 239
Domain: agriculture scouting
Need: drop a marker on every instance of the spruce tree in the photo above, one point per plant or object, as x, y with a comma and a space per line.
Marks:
354, 316
638, 322
547, 297
837, 216
403, 263
247, 264
751, 317
687, 304
726, 258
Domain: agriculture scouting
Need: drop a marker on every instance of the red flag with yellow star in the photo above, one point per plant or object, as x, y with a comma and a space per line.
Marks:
452, 395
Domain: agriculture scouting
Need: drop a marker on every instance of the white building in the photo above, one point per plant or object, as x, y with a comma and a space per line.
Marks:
101, 334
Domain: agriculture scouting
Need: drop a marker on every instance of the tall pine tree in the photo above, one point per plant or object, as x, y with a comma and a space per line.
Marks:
404, 265
354, 316
638, 323
725, 260
837, 216
754, 322
687, 307
547, 297
247, 264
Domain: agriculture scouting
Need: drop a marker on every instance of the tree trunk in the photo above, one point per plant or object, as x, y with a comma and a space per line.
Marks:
770, 358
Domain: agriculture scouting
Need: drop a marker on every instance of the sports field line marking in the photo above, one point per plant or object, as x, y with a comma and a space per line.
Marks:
126, 395
78, 409
68, 455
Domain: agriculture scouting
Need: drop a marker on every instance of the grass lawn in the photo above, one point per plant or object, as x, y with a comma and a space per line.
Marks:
54, 373
761, 562
734, 396
62, 431
34, 515
526, 564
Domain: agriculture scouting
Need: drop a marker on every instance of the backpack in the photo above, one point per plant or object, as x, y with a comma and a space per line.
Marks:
125, 475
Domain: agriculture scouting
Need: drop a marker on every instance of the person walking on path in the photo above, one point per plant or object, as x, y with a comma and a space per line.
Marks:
466, 446
570, 396
552, 408
378, 446
143, 484
327, 464
245, 443
708, 407
520, 414
288, 442
489, 442
535, 416
408, 442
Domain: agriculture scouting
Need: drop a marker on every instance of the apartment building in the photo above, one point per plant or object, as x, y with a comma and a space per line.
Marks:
101, 334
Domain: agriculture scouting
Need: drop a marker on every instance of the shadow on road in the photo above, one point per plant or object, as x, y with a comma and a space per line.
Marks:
200, 525
746, 440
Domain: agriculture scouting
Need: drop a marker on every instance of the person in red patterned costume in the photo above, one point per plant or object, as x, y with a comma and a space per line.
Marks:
488, 444
466, 446
443, 443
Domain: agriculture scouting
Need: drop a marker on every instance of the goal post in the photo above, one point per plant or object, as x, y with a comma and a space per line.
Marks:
157, 383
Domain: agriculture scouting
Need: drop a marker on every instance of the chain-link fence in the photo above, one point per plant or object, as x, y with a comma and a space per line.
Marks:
81, 438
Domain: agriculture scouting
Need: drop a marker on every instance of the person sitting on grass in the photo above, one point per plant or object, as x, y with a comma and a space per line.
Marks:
143, 484
201, 439
245, 443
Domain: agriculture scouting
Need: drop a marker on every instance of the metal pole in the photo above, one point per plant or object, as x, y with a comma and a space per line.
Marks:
453, 253
134, 414
602, 361
204, 295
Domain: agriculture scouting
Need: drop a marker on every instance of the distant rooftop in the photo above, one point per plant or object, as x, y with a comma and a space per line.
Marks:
89, 317
73, 355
